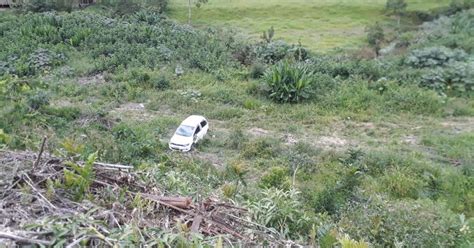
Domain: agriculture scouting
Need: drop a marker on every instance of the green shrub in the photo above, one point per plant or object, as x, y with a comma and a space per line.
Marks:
434, 56
277, 177
250, 104
257, 70
68, 113
236, 139
160, 83
414, 223
262, 148
335, 197
401, 184
288, 82
38, 99
272, 52
455, 79
283, 211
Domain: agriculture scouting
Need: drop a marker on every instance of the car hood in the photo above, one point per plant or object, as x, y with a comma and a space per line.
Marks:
181, 140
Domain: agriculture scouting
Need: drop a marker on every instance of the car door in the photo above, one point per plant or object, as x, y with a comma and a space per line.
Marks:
205, 128
197, 134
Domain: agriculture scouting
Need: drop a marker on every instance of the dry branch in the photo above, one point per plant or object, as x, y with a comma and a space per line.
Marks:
40, 153
207, 217
20, 239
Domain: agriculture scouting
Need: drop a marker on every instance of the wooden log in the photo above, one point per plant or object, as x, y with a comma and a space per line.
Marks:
24, 239
196, 224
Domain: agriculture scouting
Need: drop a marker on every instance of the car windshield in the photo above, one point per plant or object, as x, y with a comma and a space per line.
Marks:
186, 131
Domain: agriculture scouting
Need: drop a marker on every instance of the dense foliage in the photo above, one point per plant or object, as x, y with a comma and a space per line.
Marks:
105, 44
289, 82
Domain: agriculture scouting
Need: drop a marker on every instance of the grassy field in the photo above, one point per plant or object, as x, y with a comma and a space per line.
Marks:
317, 24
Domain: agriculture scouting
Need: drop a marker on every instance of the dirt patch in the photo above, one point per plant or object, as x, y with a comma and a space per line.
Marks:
258, 132
410, 140
459, 125
132, 111
212, 158
330, 141
290, 139
91, 80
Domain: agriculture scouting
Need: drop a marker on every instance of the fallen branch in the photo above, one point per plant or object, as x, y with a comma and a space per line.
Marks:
28, 180
115, 166
40, 153
23, 239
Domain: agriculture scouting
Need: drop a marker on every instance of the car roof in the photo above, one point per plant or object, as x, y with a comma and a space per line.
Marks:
193, 120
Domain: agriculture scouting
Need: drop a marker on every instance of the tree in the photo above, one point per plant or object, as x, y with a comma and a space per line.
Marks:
375, 36
396, 7
197, 3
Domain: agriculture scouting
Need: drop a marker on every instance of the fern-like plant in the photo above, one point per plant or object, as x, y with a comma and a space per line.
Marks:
289, 82
80, 178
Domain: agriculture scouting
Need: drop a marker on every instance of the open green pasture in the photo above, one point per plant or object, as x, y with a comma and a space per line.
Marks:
317, 24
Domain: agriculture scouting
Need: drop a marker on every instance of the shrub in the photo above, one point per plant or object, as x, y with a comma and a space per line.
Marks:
68, 113
334, 197
276, 177
38, 99
281, 210
262, 147
272, 52
236, 139
288, 82
401, 184
47, 5
456, 78
415, 223
256, 70
160, 82
375, 36
434, 56
250, 103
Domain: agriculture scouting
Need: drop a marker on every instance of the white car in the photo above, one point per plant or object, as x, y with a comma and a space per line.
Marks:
191, 130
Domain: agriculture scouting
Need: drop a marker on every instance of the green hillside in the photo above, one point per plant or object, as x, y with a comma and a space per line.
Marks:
371, 146
318, 24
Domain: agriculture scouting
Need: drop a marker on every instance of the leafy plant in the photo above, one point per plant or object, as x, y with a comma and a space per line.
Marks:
279, 209
288, 82
434, 56
80, 178
375, 36
276, 177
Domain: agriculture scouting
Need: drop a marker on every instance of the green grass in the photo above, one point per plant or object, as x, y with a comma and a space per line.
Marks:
319, 25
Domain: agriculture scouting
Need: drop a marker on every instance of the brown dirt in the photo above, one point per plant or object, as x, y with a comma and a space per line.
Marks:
459, 125
132, 111
91, 80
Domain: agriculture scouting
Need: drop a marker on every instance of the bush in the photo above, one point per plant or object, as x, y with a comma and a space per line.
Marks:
455, 79
262, 148
434, 56
272, 52
282, 210
257, 70
401, 184
288, 82
145, 40
38, 99
415, 223
277, 177
48, 5
160, 82
236, 139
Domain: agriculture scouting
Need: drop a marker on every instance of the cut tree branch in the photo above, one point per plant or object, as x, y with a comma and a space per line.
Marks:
23, 239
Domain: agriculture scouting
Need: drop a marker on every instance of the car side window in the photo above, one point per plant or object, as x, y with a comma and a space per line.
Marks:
198, 129
203, 123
